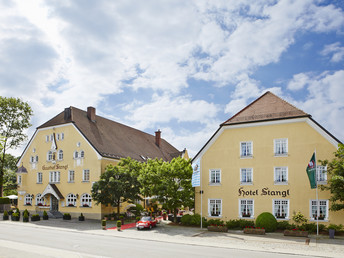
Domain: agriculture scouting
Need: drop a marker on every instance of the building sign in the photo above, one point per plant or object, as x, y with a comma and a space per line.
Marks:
55, 167
196, 175
263, 191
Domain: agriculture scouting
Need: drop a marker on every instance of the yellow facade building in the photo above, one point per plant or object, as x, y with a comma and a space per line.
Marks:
68, 153
256, 162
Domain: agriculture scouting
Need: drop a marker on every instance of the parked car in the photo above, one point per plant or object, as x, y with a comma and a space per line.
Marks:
146, 222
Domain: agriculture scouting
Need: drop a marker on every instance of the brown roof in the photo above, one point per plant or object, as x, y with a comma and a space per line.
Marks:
114, 140
267, 107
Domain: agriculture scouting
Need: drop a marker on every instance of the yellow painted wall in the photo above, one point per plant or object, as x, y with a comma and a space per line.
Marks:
224, 154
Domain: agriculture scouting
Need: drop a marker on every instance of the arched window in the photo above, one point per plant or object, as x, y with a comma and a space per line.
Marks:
39, 200
60, 155
82, 154
86, 200
49, 156
71, 200
28, 199
76, 154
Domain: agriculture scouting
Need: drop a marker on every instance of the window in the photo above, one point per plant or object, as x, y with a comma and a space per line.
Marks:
281, 209
71, 176
323, 209
86, 200
54, 177
246, 176
71, 200
60, 154
246, 149
82, 154
322, 175
39, 200
215, 176
49, 156
19, 180
58, 137
39, 178
281, 147
246, 208
28, 199
215, 207
62, 136
281, 175
76, 154
51, 137
86, 175
47, 138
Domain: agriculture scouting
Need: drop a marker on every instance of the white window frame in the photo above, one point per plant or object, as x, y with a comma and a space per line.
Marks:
28, 199
245, 171
76, 155
86, 175
49, 156
71, 200
62, 136
279, 211
214, 176
54, 177
82, 154
71, 176
218, 206
60, 155
39, 199
247, 152
47, 138
19, 179
39, 177
321, 175
246, 207
324, 206
278, 175
281, 147
86, 200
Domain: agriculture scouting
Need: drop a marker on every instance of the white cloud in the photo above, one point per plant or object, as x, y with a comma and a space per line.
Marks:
298, 82
336, 50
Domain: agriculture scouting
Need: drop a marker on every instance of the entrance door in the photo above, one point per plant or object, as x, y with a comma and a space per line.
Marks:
54, 203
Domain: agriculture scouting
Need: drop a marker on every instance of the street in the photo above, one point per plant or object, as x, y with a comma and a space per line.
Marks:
21, 241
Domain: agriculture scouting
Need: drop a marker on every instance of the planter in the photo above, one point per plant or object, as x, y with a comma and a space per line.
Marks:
331, 233
5, 217
81, 218
297, 233
217, 228
256, 231
104, 224
45, 217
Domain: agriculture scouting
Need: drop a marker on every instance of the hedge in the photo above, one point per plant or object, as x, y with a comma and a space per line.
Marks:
5, 200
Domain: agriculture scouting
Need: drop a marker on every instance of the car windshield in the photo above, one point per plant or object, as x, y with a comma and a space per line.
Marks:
146, 219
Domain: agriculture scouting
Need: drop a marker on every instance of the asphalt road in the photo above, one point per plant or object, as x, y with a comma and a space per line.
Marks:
17, 241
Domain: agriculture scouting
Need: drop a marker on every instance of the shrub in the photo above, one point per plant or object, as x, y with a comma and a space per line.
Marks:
15, 216
217, 222
5, 216
5, 200
233, 224
26, 212
67, 216
331, 226
299, 218
35, 217
283, 225
312, 227
186, 220
119, 223
26, 217
81, 217
243, 223
45, 215
266, 220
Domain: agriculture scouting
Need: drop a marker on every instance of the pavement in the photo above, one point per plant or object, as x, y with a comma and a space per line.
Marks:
318, 246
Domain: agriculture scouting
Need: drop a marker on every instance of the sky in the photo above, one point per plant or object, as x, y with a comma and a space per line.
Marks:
183, 67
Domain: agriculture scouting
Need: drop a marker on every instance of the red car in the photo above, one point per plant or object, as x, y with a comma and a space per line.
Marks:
146, 222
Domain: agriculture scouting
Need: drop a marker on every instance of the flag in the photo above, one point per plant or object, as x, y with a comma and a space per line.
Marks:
196, 175
311, 172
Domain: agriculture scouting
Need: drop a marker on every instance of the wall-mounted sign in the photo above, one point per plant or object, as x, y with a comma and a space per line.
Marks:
263, 191
54, 167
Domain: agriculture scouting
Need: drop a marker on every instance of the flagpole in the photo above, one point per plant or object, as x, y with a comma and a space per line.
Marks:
201, 192
316, 191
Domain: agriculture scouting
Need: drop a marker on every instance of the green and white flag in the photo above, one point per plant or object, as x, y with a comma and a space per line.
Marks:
312, 172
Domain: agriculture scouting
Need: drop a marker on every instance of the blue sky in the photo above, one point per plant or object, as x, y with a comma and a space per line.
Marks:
183, 67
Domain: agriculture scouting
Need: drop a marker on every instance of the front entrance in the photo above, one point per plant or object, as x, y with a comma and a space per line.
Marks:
54, 203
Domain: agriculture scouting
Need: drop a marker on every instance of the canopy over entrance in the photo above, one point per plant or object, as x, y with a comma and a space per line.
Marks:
52, 189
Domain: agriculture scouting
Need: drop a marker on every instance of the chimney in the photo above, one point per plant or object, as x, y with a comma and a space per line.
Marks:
91, 113
67, 113
158, 138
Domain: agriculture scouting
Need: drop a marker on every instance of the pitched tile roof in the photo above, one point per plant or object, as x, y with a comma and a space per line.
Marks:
267, 107
114, 140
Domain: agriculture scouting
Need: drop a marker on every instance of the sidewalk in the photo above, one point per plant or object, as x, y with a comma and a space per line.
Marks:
164, 232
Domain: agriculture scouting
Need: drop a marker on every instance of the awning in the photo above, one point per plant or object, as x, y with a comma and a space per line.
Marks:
12, 197
21, 169
52, 189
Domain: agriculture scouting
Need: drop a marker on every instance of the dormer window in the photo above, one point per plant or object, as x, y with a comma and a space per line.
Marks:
60, 154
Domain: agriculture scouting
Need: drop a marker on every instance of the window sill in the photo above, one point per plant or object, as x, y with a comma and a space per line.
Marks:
85, 181
246, 217
320, 220
246, 183
74, 206
281, 183
281, 154
215, 184
39, 183
322, 182
286, 218
210, 216
246, 157
71, 182
85, 207
54, 182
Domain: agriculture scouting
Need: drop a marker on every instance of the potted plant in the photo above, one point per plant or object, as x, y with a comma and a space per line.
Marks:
119, 225
26, 217
15, 216
35, 217
122, 219
254, 230
332, 230
81, 217
217, 228
295, 232
67, 216
104, 224
45, 215
5, 216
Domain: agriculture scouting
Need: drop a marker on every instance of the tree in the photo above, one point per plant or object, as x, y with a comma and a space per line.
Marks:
118, 184
169, 182
335, 169
14, 119
10, 177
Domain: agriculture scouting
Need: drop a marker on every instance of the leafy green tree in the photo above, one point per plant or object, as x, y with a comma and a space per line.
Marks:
10, 177
14, 119
169, 182
335, 169
118, 184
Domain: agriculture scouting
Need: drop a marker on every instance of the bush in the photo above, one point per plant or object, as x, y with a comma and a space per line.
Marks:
26, 217
67, 216
217, 222
331, 226
15, 216
35, 217
266, 220
243, 223
283, 225
5, 216
81, 217
26, 212
45, 215
119, 224
5, 200
186, 220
